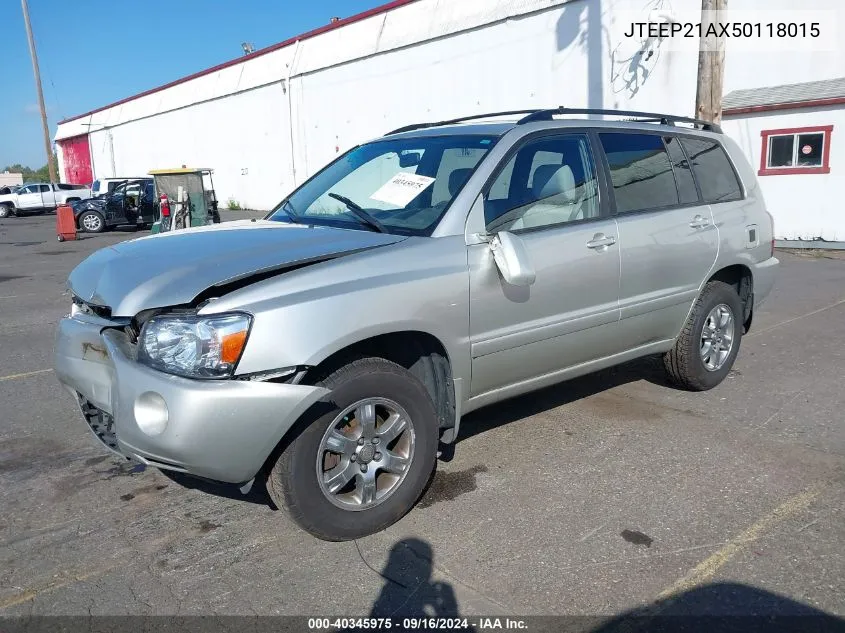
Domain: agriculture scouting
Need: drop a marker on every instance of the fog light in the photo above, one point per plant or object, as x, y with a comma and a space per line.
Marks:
151, 413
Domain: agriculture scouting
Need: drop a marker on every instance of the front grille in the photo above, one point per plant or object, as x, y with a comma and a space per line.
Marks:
101, 423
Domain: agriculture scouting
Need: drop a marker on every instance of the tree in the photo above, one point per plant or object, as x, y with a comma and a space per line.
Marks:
42, 174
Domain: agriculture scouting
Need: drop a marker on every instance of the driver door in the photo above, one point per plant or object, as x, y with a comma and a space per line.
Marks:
114, 206
132, 202
29, 197
547, 195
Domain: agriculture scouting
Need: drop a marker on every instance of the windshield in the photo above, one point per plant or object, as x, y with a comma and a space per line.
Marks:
401, 186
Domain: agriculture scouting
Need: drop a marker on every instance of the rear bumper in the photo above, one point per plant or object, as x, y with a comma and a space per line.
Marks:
222, 430
764, 278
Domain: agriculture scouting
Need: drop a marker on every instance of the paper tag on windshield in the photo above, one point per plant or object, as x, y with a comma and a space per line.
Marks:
402, 188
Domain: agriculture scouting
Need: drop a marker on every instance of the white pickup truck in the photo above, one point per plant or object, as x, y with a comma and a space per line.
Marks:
40, 197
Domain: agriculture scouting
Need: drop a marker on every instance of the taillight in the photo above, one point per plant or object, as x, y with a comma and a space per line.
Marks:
772, 224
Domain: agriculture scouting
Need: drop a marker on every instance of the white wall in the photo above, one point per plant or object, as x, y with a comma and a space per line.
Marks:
243, 137
429, 60
805, 206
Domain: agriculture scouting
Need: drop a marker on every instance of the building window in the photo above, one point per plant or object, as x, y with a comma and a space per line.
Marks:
804, 150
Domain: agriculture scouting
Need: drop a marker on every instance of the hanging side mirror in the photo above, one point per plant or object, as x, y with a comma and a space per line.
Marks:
512, 259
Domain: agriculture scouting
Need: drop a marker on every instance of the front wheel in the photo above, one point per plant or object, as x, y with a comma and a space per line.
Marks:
92, 222
6, 211
364, 459
709, 343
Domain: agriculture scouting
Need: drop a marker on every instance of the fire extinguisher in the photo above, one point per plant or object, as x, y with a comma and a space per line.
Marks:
164, 205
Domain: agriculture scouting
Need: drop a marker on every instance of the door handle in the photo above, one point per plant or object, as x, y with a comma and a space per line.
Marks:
601, 241
699, 222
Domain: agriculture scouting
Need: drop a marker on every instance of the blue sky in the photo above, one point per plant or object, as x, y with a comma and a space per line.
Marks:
94, 52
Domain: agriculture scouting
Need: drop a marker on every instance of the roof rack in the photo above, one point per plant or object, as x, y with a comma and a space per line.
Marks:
549, 114
639, 117
420, 126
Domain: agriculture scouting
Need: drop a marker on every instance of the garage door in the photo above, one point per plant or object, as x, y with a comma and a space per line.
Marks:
77, 160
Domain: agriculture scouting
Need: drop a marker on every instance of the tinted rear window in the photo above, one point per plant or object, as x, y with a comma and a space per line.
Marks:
640, 171
713, 171
683, 175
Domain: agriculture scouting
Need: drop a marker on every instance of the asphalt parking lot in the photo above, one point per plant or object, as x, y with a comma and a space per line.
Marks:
610, 493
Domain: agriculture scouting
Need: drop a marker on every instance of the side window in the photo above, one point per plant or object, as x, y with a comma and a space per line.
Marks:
27, 189
456, 166
640, 171
683, 175
549, 181
45, 188
712, 170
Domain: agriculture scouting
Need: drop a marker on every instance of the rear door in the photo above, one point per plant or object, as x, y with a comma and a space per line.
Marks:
668, 242
49, 196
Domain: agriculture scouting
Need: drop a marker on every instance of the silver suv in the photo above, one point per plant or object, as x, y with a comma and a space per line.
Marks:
329, 348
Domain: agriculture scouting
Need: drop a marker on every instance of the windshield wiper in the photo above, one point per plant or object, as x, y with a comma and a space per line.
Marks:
359, 213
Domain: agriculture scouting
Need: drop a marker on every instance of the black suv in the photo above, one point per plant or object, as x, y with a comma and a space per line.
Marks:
131, 202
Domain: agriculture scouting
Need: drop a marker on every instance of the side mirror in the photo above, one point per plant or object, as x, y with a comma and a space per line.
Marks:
409, 159
512, 259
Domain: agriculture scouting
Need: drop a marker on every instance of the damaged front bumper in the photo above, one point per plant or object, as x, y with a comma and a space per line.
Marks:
217, 429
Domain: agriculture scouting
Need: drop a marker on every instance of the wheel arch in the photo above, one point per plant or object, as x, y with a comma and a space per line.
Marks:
742, 279
421, 353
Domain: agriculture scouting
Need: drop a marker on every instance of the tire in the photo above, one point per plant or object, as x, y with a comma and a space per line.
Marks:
6, 211
296, 481
91, 222
694, 365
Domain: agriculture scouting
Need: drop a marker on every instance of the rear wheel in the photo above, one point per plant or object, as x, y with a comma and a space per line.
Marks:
92, 222
364, 459
709, 343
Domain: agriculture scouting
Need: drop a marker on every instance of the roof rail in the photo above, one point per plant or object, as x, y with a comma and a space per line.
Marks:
420, 126
640, 117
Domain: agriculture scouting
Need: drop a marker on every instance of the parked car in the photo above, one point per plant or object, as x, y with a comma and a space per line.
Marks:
105, 186
41, 197
131, 202
330, 347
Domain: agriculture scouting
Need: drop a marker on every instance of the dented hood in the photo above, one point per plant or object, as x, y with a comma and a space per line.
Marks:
174, 268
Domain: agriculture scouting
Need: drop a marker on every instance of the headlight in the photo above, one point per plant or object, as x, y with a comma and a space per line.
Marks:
194, 346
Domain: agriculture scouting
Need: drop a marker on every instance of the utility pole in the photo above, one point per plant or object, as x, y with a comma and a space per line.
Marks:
48, 146
711, 63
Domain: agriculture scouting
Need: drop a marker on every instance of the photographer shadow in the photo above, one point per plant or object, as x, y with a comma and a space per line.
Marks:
409, 590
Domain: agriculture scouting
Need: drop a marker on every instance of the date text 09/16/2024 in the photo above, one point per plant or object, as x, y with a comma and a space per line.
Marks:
417, 624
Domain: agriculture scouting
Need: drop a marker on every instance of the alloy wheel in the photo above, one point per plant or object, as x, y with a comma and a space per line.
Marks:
717, 337
365, 454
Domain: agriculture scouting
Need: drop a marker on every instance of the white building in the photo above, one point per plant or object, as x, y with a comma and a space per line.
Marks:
268, 120
788, 131
10, 179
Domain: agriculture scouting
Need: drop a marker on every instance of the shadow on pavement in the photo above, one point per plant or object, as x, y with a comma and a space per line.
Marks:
649, 368
257, 494
724, 607
409, 590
